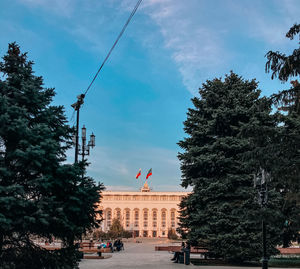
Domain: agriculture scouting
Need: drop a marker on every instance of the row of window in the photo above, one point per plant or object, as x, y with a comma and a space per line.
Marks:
143, 197
145, 217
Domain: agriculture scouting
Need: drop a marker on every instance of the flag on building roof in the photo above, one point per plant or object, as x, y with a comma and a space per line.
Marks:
149, 173
138, 174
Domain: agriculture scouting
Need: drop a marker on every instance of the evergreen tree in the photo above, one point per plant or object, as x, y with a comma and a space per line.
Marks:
221, 213
39, 195
285, 153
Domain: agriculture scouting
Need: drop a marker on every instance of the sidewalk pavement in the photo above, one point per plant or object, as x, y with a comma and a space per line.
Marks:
143, 256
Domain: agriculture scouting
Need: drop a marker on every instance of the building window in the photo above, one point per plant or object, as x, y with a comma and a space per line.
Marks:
172, 215
108, 218
127, 215
163, 219
173, 211
145, 216
136, 218
154, 224
127, 218
154, 215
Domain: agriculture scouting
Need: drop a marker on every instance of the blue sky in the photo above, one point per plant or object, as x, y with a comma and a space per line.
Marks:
137, 106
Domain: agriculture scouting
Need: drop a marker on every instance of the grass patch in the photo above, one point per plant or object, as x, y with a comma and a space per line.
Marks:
273, 262
285, 262
218, 262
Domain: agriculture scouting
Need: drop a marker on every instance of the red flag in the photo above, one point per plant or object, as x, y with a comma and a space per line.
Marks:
138, 174
149, 173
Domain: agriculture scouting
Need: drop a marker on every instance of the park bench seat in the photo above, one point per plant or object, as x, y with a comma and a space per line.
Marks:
95, 250
178, 248
50, 247
200, 250
87, 251
289, 251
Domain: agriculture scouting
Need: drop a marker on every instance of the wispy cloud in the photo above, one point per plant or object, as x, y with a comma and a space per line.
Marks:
267, 23
195, 48
196, 45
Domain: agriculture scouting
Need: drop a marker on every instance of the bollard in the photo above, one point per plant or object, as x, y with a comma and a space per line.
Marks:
181, 258
187, 255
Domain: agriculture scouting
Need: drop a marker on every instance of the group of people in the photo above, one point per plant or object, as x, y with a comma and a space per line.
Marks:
117, 245
184, 247
108, 244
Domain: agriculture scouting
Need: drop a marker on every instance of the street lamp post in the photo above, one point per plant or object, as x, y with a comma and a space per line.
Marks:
85, 149
260, 183
76, 106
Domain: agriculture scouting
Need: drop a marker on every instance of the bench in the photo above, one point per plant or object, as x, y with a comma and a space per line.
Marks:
85, 249
203, 251
289, 251
99, 251
87, 245
50, 247
194, 250
178, 248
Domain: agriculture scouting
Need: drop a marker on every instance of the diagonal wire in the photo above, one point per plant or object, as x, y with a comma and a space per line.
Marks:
119, 36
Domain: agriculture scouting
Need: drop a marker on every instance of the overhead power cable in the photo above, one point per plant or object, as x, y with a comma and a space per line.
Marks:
119, 36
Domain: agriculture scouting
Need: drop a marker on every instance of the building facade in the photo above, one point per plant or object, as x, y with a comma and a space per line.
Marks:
145, 213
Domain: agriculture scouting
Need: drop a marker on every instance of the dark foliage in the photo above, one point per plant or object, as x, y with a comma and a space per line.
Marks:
226, 129
282, 66
286, 156
21, 253
39, 195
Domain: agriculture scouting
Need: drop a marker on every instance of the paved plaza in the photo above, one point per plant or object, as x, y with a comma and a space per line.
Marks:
135, 255
142, 255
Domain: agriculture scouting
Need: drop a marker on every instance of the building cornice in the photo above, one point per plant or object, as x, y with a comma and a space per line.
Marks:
145, 193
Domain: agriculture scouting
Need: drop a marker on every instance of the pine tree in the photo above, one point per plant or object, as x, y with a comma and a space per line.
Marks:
39, 195
286, 168
221, 213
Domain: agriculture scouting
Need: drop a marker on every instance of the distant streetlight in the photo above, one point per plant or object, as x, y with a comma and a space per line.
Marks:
260, 183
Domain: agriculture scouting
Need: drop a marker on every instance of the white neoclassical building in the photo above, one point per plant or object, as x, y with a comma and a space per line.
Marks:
145, 213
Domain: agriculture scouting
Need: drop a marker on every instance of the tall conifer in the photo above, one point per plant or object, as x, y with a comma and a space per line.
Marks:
286, 168
221, 213
39, 195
